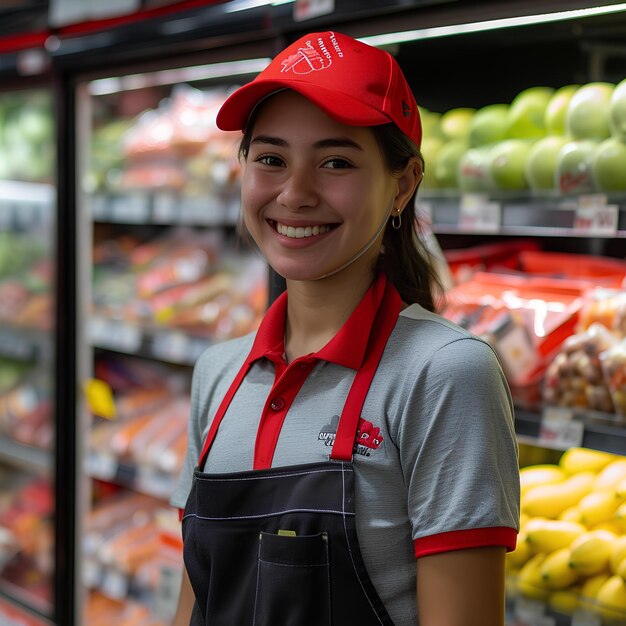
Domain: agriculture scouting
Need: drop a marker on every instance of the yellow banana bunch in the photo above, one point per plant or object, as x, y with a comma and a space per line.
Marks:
552, 500
590, 553
564, 601
546, 535
529, 580
597, 507
610, 476
611, 599
575, 460
618, 553
556, 572
535, 475
522, 552
589, 590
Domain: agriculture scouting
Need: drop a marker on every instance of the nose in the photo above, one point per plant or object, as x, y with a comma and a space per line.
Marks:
298, 190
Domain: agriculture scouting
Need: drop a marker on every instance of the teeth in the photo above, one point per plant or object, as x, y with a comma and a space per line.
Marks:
301, 231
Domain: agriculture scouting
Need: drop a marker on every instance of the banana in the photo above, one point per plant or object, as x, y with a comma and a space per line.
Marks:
612, 525
535, 475
529, 581
577, 460
564, 601
611, 599
522, 552
597, 507
556, 572
621, 569
571, 514
611, 475
590, 553
618, 553
620, 489
550, 535
589, 590
552, 500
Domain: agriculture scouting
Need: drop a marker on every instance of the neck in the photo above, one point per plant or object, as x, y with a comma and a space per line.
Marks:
316, 310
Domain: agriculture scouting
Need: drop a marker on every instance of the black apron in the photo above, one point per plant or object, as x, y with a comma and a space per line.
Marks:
278, 546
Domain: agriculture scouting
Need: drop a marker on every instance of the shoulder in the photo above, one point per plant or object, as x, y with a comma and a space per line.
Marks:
220, 358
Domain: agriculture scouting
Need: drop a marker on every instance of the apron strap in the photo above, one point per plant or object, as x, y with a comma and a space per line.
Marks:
384, 323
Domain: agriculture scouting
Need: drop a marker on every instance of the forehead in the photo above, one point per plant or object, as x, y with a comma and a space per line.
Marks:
287, 113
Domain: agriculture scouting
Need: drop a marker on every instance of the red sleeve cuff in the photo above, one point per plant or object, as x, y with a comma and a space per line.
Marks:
472, 538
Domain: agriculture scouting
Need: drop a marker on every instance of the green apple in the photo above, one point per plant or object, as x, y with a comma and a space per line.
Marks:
431, 123
474, 170
431, 147
557, 109
527, 113
617, 110
446, 166
587, 115
455, 124
541, 163
489, 125
508, 164
609, 165
574, 166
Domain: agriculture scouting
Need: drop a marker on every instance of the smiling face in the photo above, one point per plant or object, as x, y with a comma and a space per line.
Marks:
314, 191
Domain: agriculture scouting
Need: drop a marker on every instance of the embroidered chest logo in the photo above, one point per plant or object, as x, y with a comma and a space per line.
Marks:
368, 436
313, 57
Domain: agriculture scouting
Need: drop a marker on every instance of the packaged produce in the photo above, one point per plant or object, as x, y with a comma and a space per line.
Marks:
575, 377
606, 307
613, 363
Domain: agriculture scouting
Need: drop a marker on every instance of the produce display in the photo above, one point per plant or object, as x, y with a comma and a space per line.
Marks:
571, 550
569, 140
26, 534
27, 148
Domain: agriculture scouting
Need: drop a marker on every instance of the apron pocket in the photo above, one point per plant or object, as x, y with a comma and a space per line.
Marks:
293, 581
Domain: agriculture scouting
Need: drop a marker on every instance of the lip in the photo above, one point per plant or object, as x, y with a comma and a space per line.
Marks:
303, 242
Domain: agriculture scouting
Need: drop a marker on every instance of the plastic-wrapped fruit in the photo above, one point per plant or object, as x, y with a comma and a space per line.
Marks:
508, 164
609, 165
542, 160
617, 111
588, 111
527, 113
614, 369
489, 125
557, 109
574, 168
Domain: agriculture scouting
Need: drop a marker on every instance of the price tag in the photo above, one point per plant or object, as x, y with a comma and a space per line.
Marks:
308, 9
165, 208
115, 584
102, 465
92, 573
114, 335
595, 217
585, 618
171, 346
168, 590
559, 429
478, 214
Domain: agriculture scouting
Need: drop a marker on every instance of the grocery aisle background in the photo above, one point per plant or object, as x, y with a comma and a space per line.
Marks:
121, 260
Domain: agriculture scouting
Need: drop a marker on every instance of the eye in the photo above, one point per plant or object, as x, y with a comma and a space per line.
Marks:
337, 163
269, 159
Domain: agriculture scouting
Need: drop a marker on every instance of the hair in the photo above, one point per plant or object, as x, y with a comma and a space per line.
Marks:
407, 262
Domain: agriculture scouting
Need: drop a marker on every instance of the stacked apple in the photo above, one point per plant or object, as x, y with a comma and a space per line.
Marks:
571, 549
569, 140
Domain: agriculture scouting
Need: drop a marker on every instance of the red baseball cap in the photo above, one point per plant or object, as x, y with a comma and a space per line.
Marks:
352, 82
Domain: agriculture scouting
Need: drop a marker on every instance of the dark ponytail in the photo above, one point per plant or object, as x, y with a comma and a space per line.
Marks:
406, 261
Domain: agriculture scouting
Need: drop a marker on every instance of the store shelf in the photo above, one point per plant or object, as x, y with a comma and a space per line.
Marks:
25, 205
24, 344
521, 215
159, 207
24, 457
560, 429
169, 345
25, 600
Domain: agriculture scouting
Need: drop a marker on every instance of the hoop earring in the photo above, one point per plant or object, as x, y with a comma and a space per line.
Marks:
396, 221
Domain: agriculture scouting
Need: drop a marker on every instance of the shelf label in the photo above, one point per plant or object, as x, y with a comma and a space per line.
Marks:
171, 346
102, 465
308, 9
133, 208
115, 335
559, 429
165, 209
595, 217
479, 214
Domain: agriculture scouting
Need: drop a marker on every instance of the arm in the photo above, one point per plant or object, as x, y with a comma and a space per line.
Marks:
185, 602
462, 588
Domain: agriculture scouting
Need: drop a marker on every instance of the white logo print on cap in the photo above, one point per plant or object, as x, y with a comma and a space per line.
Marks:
310, 58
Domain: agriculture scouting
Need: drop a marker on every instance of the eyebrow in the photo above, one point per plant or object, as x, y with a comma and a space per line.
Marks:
331, 142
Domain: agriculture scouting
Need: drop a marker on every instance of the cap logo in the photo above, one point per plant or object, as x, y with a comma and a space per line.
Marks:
313, 57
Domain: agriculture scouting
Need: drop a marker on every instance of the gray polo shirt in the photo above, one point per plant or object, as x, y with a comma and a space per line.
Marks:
443, 471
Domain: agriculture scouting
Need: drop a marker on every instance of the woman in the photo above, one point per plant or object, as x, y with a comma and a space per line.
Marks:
356, 458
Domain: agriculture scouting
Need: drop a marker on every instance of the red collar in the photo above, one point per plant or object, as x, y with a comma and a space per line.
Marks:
346, 348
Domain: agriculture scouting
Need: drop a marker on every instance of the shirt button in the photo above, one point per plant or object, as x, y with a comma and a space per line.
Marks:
277, 404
